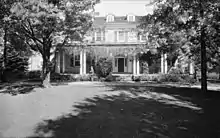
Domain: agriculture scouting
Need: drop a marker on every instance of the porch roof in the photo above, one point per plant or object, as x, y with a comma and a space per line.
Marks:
118, 44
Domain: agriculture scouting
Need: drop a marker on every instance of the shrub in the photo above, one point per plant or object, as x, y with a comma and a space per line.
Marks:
150, 77
34, 74
69, 77
110, 78
213, 76
136, 78
175, 70
85, 77
186, 78
182, 78
170, 78
103, 67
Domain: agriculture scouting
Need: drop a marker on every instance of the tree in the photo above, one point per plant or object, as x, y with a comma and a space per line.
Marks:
5, 27
195, 18
48, 24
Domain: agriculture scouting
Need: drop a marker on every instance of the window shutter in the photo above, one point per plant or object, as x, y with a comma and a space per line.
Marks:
115, 36
126, 36
93, 37
103, 37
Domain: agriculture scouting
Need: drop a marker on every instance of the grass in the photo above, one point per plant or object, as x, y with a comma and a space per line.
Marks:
140, 112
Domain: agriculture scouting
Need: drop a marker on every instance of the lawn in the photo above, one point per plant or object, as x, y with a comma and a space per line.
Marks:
104, 110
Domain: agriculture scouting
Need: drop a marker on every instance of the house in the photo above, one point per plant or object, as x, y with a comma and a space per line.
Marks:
116, 37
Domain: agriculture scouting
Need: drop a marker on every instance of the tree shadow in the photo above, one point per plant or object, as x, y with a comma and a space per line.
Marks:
137, 115
18, 88
24, 86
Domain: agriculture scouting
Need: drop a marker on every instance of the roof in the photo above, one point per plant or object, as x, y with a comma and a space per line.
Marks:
119, 21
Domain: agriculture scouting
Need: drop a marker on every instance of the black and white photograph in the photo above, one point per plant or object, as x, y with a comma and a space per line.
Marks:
109, 68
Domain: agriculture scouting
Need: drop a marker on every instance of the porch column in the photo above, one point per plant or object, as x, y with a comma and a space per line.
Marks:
162, 64
81, 62
191, 68
63, 62
58, 62
138, 67
84, 61
134, 64
165, 63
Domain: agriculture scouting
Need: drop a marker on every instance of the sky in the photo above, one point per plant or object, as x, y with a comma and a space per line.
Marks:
123, 7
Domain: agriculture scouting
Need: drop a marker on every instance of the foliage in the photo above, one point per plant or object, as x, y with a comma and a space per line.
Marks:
17, 61
34, 74
175, 70
56, 77
182, 78
110, 78
46, 25
103, 67
184, 27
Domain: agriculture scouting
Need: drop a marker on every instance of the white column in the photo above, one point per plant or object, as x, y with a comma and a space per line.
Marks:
81, 62
138, 67
191, 68
58, 62
134, 64
165, 63
63, 62
84, 61
95, 35
162, 63
117, 34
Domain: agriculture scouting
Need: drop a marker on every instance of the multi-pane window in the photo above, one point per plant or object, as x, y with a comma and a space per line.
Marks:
110, 18
98, 35
121, 36
131, 18
142, 37
75, 60
72, 60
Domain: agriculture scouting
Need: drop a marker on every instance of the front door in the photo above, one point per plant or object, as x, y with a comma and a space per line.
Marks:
120, 64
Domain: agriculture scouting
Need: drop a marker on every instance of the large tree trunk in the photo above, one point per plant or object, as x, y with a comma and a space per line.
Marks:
4, 62
203, 52
219, 75
46, 73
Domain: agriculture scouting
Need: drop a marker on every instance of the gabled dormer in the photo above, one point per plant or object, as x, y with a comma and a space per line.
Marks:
131, 18
110, 18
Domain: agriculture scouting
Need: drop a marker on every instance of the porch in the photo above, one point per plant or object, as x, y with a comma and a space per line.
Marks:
82, 61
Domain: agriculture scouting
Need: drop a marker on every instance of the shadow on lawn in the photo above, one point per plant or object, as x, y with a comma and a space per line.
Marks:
18, 88
139, 112
24, 87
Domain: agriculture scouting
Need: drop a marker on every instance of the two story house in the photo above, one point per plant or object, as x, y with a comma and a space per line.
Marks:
116, 37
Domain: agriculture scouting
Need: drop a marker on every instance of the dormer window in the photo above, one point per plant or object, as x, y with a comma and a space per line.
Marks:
110, 18
131, 18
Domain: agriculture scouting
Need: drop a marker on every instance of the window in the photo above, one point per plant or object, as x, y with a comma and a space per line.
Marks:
75, 61
142, 37
131, 18
98, 36
110, 18
121, 36
72, 61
